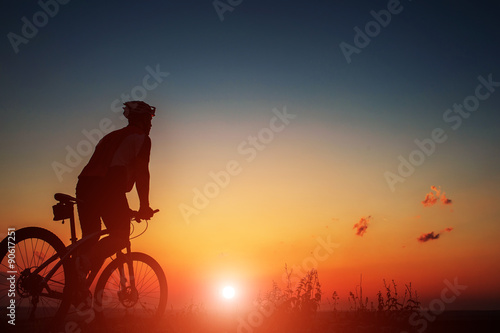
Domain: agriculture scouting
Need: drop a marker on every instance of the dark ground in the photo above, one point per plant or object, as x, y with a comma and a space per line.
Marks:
322, 322
342, 322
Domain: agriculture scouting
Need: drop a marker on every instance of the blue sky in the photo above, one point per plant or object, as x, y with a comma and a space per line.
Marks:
283, 50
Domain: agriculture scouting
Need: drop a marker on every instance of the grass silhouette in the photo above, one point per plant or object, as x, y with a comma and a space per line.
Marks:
296, 308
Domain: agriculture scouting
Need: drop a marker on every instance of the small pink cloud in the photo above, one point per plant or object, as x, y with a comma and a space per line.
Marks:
432, 198
362, 225
445, 200
431, 236
427, 237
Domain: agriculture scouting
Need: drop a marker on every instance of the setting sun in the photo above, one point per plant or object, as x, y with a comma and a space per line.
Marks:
228, 292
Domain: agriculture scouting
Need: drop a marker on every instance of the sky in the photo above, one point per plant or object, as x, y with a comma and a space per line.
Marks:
355, 139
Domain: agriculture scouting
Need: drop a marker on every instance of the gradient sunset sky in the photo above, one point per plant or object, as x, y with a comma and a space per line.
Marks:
334, 168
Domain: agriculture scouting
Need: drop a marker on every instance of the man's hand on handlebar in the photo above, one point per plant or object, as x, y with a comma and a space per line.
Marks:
144, 213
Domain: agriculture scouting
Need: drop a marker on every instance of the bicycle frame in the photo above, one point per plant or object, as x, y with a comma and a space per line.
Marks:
71, 251
51, 286
75, 245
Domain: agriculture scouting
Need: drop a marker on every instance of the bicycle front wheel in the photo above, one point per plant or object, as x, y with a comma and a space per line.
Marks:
131, 293
32, 290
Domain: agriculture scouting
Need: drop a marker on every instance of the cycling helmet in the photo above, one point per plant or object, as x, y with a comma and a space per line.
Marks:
138, 108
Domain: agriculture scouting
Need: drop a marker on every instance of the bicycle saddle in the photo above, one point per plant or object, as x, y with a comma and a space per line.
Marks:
65, 198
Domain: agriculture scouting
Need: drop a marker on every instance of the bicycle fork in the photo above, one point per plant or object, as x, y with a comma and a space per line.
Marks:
127, 293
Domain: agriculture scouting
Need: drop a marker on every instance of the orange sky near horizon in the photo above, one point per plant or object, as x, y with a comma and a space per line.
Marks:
297, 190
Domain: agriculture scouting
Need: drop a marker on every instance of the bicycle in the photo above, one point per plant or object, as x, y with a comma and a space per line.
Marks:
39, 274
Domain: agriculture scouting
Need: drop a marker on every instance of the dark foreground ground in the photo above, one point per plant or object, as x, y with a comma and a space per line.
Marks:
258, 322
466, 321
342, 322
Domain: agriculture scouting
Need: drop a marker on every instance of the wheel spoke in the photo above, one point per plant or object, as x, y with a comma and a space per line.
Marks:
37, 305
146, 302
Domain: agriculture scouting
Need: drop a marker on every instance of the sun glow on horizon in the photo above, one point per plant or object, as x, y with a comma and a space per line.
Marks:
228, 292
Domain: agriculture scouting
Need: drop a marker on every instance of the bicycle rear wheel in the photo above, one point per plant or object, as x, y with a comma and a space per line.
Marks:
131, 304
27, 257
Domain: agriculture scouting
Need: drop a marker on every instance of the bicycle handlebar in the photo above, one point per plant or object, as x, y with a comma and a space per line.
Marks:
137, 219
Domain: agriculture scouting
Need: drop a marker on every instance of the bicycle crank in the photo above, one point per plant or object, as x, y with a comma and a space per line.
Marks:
29, 284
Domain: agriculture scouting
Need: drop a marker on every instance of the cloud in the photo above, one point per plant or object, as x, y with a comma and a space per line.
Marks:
429, 200
445, 200
430, 235
432, 198
427, 237
362, 225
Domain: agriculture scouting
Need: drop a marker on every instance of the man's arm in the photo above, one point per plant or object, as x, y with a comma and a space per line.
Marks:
142, 184
142, 180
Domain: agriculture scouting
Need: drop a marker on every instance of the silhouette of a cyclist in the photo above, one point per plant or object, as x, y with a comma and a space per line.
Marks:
120, 160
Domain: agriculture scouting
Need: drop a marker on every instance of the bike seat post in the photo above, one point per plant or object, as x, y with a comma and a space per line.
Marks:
72, 224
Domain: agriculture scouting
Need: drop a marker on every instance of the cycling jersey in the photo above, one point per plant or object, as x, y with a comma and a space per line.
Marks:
116, 157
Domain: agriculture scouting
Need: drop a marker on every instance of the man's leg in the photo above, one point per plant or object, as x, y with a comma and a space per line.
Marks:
87, 192
116, 217
89, 206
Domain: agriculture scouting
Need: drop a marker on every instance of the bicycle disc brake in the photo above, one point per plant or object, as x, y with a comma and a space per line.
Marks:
128, 297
